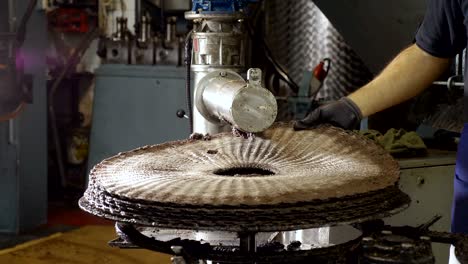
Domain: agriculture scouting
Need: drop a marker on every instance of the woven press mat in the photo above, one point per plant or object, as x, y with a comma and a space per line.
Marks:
278, 180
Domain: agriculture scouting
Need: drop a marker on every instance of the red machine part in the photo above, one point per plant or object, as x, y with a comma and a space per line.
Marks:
69, 20
322, 69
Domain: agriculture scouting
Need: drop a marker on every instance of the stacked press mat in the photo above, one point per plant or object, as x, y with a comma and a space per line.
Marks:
278, 180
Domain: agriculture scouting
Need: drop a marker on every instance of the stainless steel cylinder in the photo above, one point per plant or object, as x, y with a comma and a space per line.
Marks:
224, 96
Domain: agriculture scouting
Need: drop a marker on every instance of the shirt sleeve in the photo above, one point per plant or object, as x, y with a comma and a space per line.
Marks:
442, 33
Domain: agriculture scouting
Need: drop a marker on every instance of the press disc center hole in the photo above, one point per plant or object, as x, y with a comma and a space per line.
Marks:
244, 171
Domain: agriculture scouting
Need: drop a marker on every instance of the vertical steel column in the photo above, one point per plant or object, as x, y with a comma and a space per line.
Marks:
247, 242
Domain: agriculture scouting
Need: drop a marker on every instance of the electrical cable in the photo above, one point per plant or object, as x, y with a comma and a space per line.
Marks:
15, 113
269, 55
188, 88
21, 32
73, 60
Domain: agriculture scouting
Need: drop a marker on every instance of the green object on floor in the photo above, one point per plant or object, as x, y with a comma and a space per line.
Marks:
397, 141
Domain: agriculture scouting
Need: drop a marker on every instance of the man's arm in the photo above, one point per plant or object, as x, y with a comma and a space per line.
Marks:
412, 71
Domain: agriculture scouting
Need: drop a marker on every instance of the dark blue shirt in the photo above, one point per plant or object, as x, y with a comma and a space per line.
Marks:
443, 32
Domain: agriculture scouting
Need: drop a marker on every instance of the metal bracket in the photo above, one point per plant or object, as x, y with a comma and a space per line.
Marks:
452, 82
179, 255
254, 76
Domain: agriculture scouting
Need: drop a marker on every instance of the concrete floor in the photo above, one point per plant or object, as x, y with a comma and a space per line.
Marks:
86, 245
71, 236
8, 241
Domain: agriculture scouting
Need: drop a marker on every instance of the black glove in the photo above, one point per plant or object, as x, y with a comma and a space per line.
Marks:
343, 113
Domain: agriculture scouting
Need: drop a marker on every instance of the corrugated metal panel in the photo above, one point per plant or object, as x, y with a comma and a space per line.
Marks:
376, 29
300, 36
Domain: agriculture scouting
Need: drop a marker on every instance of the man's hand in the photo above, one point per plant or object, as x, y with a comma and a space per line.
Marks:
412, 71
343, 113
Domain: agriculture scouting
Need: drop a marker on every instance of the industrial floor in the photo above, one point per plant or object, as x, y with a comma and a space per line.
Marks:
72, 237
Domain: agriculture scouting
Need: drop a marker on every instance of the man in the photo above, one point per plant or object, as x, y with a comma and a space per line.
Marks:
441, 36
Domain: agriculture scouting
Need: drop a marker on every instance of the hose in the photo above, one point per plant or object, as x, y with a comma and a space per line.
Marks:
269, 54
21, 35
188, 88
13, 114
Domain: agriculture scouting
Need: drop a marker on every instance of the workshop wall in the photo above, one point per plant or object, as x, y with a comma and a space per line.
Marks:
300, 36
376, 30
33, 128
23, 142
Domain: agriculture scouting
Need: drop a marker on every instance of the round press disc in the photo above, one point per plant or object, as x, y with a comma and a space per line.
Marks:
280, 178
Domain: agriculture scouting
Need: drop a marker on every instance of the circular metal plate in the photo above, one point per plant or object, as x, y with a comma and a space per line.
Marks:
279, 180
223, 249
284, 217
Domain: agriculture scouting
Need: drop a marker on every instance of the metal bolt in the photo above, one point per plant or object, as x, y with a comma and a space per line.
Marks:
178, 260
223, 74
177, 250
407, 245
254, 75
425, 238
367, 239
386, 232
421, 180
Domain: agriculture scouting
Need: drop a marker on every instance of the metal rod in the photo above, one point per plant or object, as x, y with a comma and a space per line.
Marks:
445, 83
162, 18
247, 243
11, 16
459, 63
138, 16
11, 132
12, 27
138, 10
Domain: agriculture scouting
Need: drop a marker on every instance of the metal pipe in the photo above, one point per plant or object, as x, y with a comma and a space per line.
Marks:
226, 96
12, 26
171, 32
459, 63
138, 15
222, 97
445, 83
247, 243
11, 132
12, 16
162, 18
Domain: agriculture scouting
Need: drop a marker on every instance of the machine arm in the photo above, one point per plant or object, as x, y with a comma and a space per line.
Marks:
222, 96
